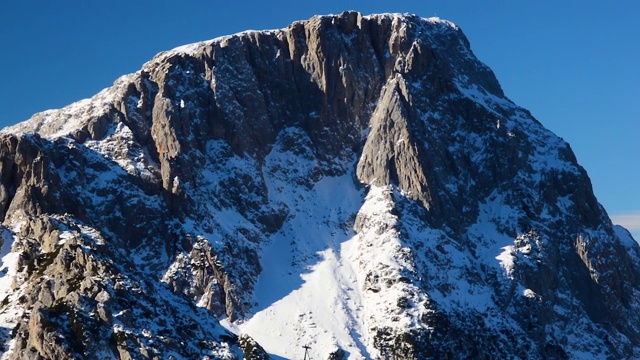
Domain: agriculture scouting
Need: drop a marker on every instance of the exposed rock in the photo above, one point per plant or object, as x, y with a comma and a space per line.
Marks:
252, 350
337, 354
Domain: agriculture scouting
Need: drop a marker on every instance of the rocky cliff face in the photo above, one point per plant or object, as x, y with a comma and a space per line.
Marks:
359, 184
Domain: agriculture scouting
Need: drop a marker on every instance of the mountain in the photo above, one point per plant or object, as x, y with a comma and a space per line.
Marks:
359, 185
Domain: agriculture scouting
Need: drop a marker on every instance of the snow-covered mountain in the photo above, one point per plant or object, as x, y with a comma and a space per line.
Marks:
359, 185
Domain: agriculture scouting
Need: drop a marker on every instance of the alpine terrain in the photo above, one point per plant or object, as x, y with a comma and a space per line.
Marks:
349, 187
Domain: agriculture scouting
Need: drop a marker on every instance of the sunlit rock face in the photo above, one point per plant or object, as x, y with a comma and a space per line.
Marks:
359, 185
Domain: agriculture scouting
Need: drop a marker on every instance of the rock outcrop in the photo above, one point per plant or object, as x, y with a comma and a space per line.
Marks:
458, 225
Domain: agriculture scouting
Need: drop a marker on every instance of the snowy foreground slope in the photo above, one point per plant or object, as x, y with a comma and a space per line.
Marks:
359, 185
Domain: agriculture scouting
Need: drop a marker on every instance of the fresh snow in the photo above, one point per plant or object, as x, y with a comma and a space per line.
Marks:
322, 313
58, 123
9, 315
311, 290
307, 293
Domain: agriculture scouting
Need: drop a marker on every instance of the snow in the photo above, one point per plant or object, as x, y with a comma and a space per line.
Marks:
134, 159
627, 240
315, 296
507, 260
482, 97
316, 286
529, 293
64, 236
311, 290
322, 313
9, 314
54, 124
7, 273
307, 293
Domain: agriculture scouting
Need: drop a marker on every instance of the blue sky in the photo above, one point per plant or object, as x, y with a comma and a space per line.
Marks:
574, 64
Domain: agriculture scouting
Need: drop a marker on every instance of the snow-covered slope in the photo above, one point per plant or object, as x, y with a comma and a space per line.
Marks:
359, 185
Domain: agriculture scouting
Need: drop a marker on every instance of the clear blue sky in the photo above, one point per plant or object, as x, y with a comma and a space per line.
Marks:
574, 64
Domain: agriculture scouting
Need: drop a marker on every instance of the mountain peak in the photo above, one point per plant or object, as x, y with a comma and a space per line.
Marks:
357, 184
